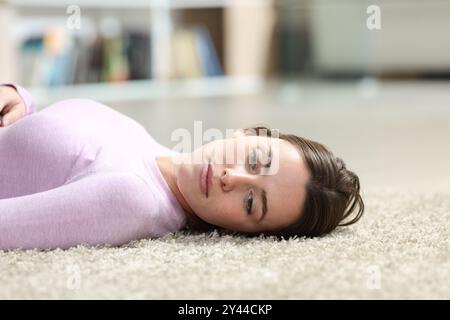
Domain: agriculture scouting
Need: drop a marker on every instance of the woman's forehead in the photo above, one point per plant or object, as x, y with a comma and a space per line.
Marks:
278, 148
258, 140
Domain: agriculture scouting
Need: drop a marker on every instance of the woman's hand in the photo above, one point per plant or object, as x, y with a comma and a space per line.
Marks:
12, 107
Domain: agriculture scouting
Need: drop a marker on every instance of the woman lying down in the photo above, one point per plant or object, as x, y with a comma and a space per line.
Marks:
79, 172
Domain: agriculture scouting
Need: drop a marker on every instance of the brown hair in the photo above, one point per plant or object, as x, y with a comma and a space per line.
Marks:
332, 192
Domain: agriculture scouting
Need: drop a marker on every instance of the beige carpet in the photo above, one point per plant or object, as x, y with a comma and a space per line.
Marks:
401, 249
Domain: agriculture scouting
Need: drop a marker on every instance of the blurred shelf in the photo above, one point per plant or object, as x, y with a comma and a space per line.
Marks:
142, 90
174, 4
242, 20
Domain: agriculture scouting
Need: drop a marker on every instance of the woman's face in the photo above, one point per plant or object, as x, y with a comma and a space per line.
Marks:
251, 175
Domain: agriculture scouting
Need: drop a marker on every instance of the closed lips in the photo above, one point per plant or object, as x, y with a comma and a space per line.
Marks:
203, 179
209, 176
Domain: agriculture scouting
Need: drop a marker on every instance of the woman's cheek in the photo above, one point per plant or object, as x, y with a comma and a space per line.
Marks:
229, 213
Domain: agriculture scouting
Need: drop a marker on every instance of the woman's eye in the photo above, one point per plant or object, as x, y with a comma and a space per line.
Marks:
249, 202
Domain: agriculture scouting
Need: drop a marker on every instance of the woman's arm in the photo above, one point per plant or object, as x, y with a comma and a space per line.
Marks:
104, 208
15, 103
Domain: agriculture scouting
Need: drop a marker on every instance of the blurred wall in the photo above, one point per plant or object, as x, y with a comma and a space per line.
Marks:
8, 70
413, 37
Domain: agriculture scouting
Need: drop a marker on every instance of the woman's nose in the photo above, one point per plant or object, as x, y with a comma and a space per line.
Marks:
233, 177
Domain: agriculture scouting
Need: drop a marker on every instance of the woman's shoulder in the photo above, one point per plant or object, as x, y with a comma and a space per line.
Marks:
77, 104
90, 115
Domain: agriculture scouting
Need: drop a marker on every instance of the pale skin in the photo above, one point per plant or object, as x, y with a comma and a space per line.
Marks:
233, 184
234, 200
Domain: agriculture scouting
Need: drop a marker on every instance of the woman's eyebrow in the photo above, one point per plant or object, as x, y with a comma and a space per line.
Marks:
268, 164
263, 192
264, 204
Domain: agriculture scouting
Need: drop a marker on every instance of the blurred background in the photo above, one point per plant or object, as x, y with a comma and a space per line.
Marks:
369, 79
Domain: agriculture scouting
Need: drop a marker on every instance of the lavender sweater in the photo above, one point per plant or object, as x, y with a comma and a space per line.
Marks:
79, 172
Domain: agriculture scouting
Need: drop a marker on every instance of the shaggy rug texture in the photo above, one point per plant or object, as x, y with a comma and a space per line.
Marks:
400, 249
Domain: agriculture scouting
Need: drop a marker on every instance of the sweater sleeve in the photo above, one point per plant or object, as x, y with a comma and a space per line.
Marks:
27, 98
103, 208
